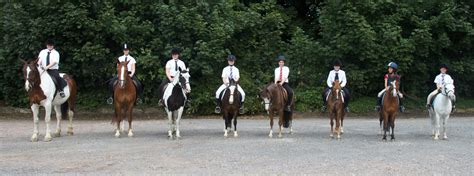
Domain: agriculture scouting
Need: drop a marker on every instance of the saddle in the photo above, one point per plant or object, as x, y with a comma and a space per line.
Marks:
63, 81
326, 94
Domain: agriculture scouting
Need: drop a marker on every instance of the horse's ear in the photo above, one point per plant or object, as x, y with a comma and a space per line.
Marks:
36, 60
118, 61
23, 61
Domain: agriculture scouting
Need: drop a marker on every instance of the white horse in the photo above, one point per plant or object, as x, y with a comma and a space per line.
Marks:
174, 99
42, 92
441, 109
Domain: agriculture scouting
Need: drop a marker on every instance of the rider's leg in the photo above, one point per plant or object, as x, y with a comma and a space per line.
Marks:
242, 99
54, 73
161, 91
400, 100
323, 97
139, 87
347, 98
289, 91
110, 86
218, 98
430, 96
379, 100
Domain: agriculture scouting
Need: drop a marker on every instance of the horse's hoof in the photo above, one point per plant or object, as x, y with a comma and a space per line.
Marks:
70, 133
393, 139
225, 135
280, 136
384, 139
270, 136
436, 137
338, 136
130, 134
331, 135
117, 134
445, 137
34, 138
235, 134
47, 138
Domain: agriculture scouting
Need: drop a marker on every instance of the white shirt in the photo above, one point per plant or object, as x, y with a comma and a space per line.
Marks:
332, 76
53, 57
129, 58
439, 79
226, 73
171, 65
286, 73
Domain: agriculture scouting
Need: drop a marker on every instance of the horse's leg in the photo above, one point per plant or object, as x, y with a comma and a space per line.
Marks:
342, 122
117, 120
433, 122
280, 122
47, 119
437, 126
270, 115
70, 115
385, 125
180, 113
331, 122
226, 121
35, 111
392, 125
170, 123
235, 124
381, 123
338, 124
130, 118
57, 109
445, 122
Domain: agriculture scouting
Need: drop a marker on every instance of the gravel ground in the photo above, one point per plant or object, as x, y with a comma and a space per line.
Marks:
203, 150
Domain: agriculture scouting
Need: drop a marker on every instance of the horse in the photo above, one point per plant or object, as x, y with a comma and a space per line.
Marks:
125, 95
230, 105
174, 99
275, 97
389, 109
441, 109
336, 111
42, 92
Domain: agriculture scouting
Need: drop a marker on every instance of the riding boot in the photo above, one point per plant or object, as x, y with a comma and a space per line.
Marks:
402, 108
241, 109
453, 109
218, 106
379, 102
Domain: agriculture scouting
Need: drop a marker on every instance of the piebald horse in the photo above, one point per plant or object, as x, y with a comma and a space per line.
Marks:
336, 109
274, 97
389, 109
441, 109
42, 92
230, 106
174, 98
125, 96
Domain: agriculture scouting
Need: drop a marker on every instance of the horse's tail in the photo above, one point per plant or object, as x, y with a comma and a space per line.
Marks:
286, 119
64, 110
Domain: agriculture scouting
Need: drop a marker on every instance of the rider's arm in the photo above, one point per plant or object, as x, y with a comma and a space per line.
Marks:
330, 78
343, 79
386, 83
133, 70
276, 76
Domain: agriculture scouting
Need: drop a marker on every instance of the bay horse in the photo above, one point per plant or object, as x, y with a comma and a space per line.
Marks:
230, 105
389, 109
42, 92
125, 95
441, 109
336, 111
274, 97
174, 99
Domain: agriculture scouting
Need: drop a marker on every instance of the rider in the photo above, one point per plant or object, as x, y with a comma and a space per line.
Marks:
171, 67
440, 80
336, 74
131, 72
228, 73
281, 77
49, 61
389, 77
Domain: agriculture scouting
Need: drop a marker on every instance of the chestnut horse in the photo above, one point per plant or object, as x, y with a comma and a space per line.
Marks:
275, 97
336, 108
389, 109
125, 96
42, 92
230, 105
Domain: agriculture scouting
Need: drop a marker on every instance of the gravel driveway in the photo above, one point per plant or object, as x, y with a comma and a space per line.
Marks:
203, 149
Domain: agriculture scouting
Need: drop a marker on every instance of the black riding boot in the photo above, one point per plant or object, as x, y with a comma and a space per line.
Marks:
241, 109
379, 103
110, 86
402, 108
218, 106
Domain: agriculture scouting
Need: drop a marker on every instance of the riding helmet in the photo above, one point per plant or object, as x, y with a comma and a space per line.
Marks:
125, 47
281, 57
337, 62
175, 51
231, 57
393, 65
444, 66
50, 42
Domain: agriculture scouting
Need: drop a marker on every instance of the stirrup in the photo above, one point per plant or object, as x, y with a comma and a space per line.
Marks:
377, 108
160, 103
347, 109
139, 101
217, 110
241, 110
324, 109
402, 108
428, 106
288, 108
61, 93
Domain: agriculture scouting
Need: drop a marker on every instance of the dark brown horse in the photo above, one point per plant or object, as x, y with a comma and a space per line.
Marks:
389, 109
125, 96
275, 97
336, 109
42, 92
230, 106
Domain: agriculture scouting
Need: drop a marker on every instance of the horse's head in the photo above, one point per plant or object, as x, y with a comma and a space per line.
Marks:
336, 89
184, 79
232, 86
448, 89
31, 74
394, 88
122, 73
266, 96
